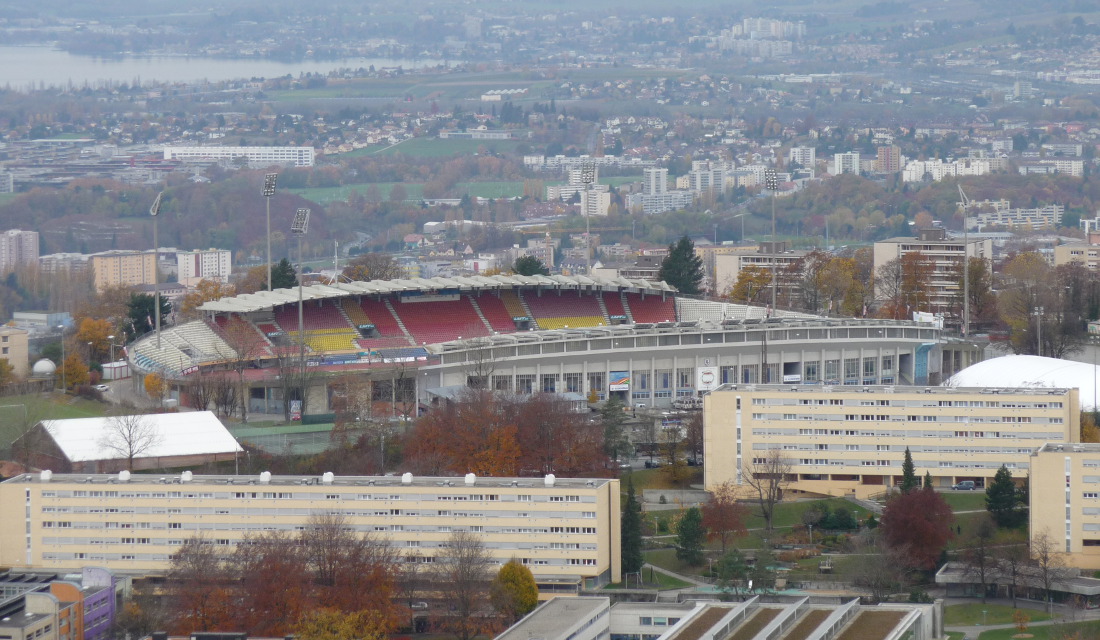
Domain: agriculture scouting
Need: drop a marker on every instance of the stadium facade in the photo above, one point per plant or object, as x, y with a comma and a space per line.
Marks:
590, 336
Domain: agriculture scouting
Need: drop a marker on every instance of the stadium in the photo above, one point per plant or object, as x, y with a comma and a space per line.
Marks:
588, 336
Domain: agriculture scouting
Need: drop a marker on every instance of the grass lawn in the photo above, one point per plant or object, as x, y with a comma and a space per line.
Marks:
440, 148
42, 407
965, 500
654, 579
1048, 632
658, 479
971, 613
325, 195
955, 635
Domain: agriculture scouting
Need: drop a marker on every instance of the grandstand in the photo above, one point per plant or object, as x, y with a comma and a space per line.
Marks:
538, 333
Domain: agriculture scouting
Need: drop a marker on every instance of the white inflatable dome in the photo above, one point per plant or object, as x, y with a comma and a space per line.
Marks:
1031, 371
44, 368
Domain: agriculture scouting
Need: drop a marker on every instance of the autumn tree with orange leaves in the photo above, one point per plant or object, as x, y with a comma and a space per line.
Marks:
724, 517
489, 434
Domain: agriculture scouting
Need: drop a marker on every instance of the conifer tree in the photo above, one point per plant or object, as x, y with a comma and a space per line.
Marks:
631, 531
683, 269
909, 480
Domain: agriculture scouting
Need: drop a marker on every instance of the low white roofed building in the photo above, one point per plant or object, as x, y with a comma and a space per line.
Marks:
153, 441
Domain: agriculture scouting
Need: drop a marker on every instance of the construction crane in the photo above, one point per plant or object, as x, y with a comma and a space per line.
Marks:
965, 204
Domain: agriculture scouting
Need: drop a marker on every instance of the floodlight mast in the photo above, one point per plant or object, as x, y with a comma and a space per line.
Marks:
269, 191
588, 176
154, 211
298, 228
771, 183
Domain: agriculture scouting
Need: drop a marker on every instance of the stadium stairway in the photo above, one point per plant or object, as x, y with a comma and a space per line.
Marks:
404, 329
603, 310
477, 310
626, 308
526, 309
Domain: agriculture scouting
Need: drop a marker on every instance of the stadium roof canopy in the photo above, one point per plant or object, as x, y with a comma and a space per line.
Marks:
261, 300
1031, 372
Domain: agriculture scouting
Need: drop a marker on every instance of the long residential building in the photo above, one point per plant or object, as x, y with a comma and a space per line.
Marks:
565, 530
123, 268
851, 440
945, 255
256, 156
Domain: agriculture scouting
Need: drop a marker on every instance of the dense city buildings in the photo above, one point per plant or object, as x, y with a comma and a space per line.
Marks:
851, 440
565, 530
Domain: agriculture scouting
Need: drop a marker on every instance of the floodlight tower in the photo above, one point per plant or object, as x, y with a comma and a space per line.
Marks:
268, 192
154, 211
588, 176
298, 228
771, 183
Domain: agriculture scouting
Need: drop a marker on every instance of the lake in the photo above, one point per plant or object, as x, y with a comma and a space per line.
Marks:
22, 68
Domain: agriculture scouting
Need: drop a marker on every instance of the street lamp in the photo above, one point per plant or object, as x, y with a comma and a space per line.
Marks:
1038, 312
298, 228
742, 216
154, 210
64, 385
268, 191
111, 341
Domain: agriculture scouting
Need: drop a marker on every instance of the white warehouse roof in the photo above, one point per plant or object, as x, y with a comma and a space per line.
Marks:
1031, 371
177, 434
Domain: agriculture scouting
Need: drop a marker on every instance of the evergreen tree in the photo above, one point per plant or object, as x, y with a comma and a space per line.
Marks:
1002, 500
615, 441
631, 531
732, 571
283, 275
928, 480
909, 480
683, 269
530, 266
690, 535
140, 312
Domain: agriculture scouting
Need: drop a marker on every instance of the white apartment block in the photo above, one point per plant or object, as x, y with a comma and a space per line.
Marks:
1075, 168
918, 170
257, 156
209, 264
17, 248
805, 156
565, 530
656, 196
7, 182
844, 440
846, 163
64, 262
595, 203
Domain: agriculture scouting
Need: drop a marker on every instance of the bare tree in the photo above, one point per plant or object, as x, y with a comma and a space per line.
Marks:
198, 584
1047, 562
463, 574
348, 567
978, 554
243, 346
1011, 558
223, 393
875, 567
480, 364
768, 476
129, 436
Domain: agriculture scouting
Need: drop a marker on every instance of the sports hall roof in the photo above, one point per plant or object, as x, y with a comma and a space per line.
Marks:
1031, 372
168, 434
261, 300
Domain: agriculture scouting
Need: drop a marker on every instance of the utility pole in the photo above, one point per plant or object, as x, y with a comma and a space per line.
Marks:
771, 183
966, 265
154, 210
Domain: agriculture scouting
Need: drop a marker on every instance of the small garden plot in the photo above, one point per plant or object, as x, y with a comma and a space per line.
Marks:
871, 625
807, 624
754, 624
702, 623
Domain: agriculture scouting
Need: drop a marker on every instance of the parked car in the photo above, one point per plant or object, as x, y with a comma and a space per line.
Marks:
102, 388
965, 485
652, 464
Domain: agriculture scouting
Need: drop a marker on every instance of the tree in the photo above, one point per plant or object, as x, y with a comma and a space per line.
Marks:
199, 589
615, 440
1002, 499
681, 268
917, 526
274, 586
373, 266
927, 480
876, 567
255, 279
514, 592
462, 578
1011, 558
752, 283
631, 529
205, 291
732, 571
908, 474
978, 553
768, 476
283, 275
93, 332
1047, 562
7, 373
141, 316
129, 436
723, 516
690, 534
333, 624
529, 266
156, 387
75, 371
